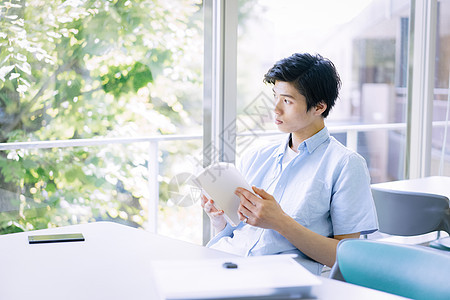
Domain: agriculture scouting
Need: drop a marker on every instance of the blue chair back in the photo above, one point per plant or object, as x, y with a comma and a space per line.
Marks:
410, 271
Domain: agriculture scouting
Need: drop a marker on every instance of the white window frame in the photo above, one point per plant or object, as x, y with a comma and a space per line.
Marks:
420, 88
219, 86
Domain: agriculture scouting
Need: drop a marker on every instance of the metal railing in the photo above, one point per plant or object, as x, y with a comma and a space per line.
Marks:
351, 132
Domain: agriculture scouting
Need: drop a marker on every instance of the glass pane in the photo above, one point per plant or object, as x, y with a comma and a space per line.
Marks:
64, 186
180, 213
96, 69
440, 144
368, 43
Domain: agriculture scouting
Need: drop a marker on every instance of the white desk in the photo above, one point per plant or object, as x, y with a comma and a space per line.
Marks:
439, 185
113, 263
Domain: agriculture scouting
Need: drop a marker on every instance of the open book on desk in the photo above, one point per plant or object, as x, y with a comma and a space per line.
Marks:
219, 181
255, 277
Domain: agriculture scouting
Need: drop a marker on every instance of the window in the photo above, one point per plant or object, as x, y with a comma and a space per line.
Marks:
107, 81
440, 143
368, 43
108, 107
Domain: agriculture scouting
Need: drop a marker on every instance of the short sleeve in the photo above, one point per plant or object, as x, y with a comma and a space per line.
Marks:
352, 208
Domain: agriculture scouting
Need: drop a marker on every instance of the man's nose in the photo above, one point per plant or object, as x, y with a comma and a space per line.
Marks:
276, 108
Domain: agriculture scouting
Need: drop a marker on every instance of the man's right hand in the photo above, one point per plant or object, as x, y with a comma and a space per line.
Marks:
216, 216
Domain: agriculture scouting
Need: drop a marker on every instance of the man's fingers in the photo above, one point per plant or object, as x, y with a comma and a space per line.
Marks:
247, 195
262, 193
217, 213
244, 211
209, 207
204, 200
259, 191
242, 217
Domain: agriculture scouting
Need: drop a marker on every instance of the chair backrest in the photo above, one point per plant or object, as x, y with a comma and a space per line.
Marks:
409, 213
409, 271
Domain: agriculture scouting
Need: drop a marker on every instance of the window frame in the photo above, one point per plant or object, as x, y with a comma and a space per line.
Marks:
422, 52
219, 86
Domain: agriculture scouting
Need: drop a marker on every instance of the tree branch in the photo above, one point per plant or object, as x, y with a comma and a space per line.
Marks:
27, 108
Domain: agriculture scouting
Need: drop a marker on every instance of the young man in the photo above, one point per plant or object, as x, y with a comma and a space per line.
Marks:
309, 191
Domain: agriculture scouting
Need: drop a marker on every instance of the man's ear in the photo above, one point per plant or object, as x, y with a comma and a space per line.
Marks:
320, 108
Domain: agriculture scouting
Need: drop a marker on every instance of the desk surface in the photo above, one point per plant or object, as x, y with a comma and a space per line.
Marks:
439, 185
113, 263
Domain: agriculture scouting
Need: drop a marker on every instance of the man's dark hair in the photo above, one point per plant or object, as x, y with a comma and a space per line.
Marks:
314, 77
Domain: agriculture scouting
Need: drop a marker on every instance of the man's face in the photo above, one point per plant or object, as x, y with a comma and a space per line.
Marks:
291, 115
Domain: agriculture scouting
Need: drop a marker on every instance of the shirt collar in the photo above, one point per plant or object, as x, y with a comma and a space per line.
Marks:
316, 140
280, 151
311, 143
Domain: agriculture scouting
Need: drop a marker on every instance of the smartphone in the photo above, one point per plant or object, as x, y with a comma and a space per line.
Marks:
56, 238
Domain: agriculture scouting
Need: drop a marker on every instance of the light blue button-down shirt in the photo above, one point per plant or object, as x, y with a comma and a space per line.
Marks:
325, 188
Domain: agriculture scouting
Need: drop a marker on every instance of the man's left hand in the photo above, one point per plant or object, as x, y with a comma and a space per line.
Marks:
259, 209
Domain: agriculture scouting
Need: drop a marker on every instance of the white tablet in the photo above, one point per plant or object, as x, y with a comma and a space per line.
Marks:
219, 181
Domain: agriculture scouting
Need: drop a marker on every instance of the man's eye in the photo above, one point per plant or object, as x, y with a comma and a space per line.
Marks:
287, 101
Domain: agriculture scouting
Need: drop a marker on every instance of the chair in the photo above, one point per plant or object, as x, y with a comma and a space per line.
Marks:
407, 213
415, 272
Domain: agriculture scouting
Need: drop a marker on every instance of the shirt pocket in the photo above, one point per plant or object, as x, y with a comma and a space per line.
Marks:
308, 202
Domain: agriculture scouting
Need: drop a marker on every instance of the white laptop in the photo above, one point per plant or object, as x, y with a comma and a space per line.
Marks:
261, 277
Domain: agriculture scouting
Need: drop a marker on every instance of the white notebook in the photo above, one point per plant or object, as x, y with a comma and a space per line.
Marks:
269, 277
219, 181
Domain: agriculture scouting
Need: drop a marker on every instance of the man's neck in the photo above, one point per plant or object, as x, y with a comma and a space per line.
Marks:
298, 137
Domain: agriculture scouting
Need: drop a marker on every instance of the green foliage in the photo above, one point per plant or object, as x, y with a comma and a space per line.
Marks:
125, 79
87, 68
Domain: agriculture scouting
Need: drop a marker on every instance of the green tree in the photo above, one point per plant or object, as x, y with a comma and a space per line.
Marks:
86, 68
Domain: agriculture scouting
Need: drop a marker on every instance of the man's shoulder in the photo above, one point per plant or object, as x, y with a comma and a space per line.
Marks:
343, 153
